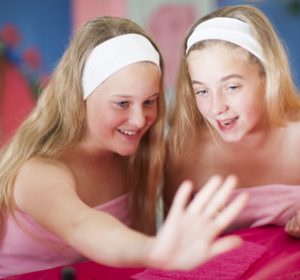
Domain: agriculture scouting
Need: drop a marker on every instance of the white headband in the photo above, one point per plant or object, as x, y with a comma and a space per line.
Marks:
114, 54
226, 29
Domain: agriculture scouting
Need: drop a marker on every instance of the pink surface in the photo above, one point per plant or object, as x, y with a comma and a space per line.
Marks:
267, 253
282, 257
168, 26
84, 271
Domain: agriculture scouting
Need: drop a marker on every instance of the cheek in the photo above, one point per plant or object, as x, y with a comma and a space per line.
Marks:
152, 115
106, 123
115, 120
203, 106
251, 107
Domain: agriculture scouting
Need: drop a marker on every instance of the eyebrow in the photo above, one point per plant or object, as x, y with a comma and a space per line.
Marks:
222, 80
130, 96
231, 76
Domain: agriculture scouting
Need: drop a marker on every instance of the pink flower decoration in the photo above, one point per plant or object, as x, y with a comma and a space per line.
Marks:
10, 35
32, 58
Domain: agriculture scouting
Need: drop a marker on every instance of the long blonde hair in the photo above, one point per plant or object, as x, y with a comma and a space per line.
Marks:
58, 122
281, 96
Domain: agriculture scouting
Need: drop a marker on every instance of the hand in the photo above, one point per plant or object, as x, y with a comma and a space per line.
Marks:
292, 227
188, 236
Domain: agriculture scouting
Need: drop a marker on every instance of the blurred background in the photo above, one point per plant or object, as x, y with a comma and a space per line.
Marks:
35, 33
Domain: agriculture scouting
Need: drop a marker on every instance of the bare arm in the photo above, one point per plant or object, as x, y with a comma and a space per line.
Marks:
47, 192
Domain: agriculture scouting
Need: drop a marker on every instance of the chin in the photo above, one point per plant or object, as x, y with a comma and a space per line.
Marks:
127, 152
231, 138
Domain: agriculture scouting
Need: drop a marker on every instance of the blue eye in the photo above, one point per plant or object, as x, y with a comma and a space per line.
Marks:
150, 102
233, 88
122, 104
202, 93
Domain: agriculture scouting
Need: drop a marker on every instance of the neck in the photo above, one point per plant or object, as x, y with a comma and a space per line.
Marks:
86, 155
255, 142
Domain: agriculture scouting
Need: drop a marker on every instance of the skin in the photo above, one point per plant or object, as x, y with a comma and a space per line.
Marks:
230, 96
231, 99
119, 113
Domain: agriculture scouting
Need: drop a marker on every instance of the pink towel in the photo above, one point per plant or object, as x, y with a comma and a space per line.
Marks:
282, 269
24, 251
267, 253
229, 266
268, 205
282, 258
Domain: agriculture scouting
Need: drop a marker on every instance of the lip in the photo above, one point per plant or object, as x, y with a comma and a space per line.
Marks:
228, 123
129, 134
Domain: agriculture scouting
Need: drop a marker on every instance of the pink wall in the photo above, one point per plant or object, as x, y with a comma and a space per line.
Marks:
84, 10
16, 100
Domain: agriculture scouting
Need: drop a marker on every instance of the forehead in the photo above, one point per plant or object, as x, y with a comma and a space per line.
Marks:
134, 72
218, 51
230, 50
216, 58
141, 78
216, 61
214, 47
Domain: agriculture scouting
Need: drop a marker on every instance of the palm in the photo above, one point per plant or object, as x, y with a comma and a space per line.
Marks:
188, 237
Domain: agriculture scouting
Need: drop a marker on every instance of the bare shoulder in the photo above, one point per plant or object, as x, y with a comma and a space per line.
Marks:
45, 189
38, 178
42, 165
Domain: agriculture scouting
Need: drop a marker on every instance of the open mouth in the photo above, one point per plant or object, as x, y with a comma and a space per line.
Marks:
127, 132
228, 123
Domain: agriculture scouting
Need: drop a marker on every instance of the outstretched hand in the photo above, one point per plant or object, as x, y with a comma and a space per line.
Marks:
188, 236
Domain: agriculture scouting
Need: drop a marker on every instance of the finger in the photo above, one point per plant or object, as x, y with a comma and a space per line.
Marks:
221, 197
181, 198
287, 226
291, 227
203, 196
229, 213
225, 244
295, 227
297, 217
293, 223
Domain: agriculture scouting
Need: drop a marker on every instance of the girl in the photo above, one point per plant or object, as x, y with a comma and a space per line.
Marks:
80, 179
237, 111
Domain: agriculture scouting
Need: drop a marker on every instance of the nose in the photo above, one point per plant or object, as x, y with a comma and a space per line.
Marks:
218, 104
138, 117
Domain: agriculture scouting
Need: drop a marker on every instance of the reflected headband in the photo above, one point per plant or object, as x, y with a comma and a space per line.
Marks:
226, 29
114, 54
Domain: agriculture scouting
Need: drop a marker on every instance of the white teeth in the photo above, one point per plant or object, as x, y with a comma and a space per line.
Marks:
229, 122
127, 132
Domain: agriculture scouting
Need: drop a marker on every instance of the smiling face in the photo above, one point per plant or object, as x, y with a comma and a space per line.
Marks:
229, 91
121, 110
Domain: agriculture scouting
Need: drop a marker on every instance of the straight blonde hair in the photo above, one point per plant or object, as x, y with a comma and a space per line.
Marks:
58, 122
281, 96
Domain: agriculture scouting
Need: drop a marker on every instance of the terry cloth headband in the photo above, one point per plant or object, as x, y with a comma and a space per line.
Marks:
226, 29
113, 54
